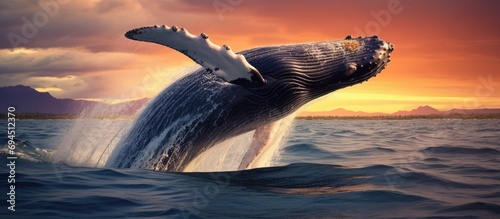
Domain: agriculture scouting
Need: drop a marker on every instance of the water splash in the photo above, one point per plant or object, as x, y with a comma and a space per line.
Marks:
276, 141
227, 155
90, 142
91, 139
27, 151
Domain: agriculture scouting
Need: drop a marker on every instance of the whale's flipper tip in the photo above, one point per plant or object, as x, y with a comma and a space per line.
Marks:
220, 60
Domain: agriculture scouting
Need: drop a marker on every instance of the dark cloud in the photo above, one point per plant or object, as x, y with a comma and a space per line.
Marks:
75, 24
97, 26
59, 63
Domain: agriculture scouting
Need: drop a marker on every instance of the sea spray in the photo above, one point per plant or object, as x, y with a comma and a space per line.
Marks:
227, 155
277, 136
91, 139
89, 142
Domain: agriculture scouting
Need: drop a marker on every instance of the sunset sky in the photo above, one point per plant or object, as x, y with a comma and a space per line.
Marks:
447, 52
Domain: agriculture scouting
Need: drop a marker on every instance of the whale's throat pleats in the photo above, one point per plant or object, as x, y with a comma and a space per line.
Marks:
298, 73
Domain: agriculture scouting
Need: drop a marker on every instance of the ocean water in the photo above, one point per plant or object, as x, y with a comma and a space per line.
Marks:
322, 169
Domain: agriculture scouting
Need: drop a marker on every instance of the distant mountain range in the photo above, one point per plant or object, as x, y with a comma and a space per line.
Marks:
29, 100
420, 111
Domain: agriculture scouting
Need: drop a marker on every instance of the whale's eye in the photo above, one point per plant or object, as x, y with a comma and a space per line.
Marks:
350, 68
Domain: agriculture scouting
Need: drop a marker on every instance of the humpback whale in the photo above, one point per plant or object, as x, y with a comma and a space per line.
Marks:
234, 93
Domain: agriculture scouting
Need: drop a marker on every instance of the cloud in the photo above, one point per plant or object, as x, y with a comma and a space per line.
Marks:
97, 25
83, 74
75, 24
59, 62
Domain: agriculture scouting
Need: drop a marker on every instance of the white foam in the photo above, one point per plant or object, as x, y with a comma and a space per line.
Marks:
90, 142
277, 136
224, 156
228, 155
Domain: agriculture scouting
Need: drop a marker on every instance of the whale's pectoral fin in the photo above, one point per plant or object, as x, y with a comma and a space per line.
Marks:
220, 60
260, 139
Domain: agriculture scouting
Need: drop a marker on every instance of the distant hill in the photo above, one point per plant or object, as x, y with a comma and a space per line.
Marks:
419, 111
28, 100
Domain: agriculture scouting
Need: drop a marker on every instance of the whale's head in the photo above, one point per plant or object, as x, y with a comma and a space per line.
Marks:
295, 74
361, 58
309, 70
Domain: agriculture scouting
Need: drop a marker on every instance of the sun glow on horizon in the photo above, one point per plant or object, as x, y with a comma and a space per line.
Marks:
390, 103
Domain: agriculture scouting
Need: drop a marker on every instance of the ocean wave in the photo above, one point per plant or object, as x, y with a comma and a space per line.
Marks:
455, 174
372, 150
488, 130
433, 181
490, 195
310, 151
348, 133
299, 175
380, 196
476, 207
433, 159
111, 193
69, 207
474, 169
458, 150
303, 147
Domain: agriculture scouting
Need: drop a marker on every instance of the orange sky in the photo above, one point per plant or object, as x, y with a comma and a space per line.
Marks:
446, 51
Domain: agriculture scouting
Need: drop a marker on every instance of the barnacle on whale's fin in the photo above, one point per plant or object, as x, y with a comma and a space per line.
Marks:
220, 60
